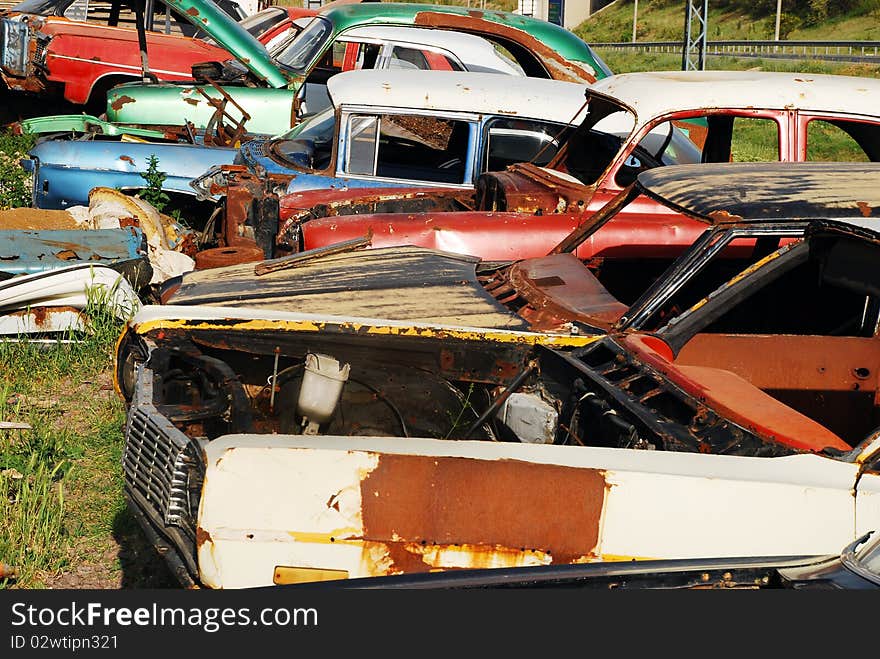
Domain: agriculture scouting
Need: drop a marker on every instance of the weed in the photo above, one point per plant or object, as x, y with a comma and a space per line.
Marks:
15, 183
465, 406
153, 193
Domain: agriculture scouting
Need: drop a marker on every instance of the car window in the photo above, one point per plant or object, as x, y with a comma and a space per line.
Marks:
798, 291
510, 141
304, 49
257, 24
717, 138
830, 142
122, 14
408, 147
407, 58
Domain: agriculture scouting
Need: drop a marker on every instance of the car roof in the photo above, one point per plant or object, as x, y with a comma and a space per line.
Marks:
457, 91
652, 94
471, 49
769, 192
555, 37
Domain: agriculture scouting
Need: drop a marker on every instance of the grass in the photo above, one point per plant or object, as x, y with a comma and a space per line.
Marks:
60, 480
663, 20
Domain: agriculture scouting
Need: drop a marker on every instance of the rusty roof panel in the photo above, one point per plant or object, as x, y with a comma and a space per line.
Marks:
750, 191
401, 283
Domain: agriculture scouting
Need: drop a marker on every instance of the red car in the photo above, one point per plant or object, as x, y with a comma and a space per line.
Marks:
674, 117
52, 49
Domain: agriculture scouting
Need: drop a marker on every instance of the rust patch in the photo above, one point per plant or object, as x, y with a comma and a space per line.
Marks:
192, 11
67, 255
127, 159
122, 100
864, 209
558, 67
481, 505
202, 536
724, 217
191, 101
40, 315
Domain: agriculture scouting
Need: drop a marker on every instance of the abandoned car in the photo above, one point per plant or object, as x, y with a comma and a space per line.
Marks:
740, 116
270, 92
449, 134
405, 411
77, 51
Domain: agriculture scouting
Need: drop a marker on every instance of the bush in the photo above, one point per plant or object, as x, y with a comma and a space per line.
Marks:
16, 184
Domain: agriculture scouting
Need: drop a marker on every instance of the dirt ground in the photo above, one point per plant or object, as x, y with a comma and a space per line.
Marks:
35, 219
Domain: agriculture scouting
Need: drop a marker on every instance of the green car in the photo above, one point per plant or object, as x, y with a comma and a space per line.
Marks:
269, 87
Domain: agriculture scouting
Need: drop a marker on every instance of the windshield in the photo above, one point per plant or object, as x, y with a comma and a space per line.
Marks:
257, 24
40, 7
310, 143
303, 50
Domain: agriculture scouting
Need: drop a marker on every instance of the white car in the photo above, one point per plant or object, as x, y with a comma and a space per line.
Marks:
354, 414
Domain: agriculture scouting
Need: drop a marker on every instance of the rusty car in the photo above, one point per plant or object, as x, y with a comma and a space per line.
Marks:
524, 210
269, 93
65, 50
109, 155
341, 414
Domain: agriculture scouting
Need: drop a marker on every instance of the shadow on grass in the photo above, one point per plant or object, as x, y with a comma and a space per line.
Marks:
141, 564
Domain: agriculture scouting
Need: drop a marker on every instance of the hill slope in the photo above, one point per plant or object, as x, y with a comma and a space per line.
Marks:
663, 20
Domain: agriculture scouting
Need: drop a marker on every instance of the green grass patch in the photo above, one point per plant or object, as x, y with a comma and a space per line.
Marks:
60, 480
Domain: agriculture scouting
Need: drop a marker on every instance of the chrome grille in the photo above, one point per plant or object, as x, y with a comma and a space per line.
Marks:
160, 463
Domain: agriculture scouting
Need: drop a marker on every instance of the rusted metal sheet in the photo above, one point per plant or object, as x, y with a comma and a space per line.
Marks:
559, 289
388, 283
42, 320
526, 188
378, 506
736, 399
487, 513
36, 251
558, 67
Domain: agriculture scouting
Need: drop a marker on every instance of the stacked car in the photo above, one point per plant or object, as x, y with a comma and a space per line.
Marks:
429, 298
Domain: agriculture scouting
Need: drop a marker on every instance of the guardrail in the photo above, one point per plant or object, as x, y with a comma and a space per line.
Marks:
838, 51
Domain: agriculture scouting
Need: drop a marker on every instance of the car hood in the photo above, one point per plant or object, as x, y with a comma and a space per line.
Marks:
228, 34
401, 284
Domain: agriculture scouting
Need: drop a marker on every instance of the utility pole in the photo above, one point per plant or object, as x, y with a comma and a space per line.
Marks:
635, 18
693, 56
778, 14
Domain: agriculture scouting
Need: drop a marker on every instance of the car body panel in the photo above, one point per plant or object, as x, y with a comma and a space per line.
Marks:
362, 506
26, 252
65, 171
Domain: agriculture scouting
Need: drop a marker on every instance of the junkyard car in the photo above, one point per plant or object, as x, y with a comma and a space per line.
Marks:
299, 429
399, 128
55, 49
525, 210
448, 135
269, 92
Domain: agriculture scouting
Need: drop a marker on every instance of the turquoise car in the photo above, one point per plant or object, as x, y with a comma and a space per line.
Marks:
268, 86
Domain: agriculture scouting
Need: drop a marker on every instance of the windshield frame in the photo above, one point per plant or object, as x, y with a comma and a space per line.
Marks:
308, 46
852, 559
296, 133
